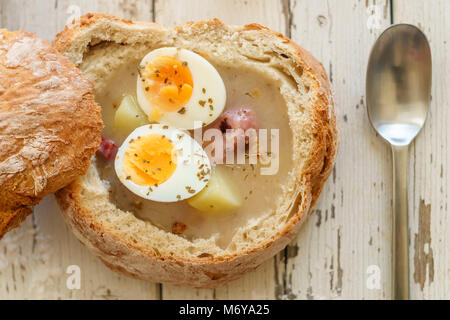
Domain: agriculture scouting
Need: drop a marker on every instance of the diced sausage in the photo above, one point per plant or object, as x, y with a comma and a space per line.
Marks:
178, 228
107, 149
229, 122
237, 118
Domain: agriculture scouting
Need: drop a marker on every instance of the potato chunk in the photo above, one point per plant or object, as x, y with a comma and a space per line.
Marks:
129, 116
220, 196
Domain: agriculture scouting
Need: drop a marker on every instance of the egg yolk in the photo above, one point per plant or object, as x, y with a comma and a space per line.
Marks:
149, 160
168, 85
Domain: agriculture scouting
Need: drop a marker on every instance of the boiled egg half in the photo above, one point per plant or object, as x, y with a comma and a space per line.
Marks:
161, 163
180, 88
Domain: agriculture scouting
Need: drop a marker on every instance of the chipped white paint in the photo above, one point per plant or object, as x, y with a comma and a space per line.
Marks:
29, 249
349, 229
430, 222
348, 232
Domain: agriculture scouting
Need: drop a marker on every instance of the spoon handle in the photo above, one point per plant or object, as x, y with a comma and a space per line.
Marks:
400, 234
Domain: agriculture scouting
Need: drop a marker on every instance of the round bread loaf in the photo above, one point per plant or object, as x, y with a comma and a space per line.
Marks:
98, 44
49, 124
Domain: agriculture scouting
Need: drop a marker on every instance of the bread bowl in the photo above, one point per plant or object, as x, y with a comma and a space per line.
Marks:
49, 124
293, 95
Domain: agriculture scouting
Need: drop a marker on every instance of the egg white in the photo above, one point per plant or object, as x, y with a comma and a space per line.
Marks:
204, 76
190, 156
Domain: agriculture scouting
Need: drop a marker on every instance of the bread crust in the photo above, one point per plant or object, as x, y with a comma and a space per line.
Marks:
49, 123
137, 260
12, 218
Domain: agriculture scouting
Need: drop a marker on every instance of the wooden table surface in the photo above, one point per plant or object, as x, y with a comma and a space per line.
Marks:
343, 251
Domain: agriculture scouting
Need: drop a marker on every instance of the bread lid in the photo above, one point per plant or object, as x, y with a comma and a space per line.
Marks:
49, 124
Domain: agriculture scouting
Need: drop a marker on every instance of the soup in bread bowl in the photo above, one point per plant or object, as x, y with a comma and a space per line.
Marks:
217, 142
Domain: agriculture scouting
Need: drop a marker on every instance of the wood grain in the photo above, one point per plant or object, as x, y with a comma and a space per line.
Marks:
48, 17
349, 229
429, 220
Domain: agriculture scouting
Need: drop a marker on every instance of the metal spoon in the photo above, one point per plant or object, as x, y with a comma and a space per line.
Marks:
398, 94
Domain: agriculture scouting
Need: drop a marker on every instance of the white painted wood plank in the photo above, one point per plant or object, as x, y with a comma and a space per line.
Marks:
33, 16
349, 229
1, 14
48, 17
34, 258
267, 12
430, 223
126, 9
261, 283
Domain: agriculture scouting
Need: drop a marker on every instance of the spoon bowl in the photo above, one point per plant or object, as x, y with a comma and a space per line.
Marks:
398, 86
398, 94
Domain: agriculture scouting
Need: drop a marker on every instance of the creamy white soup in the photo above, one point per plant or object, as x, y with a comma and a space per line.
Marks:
260, 193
